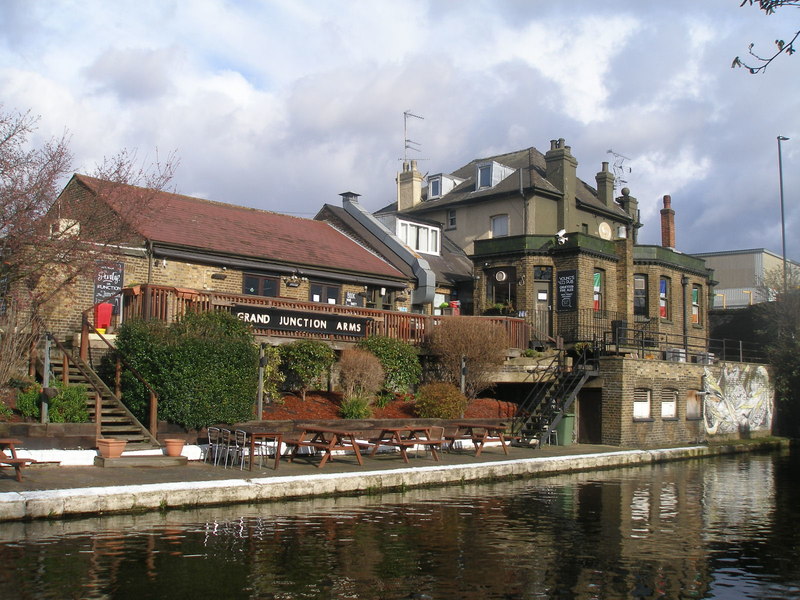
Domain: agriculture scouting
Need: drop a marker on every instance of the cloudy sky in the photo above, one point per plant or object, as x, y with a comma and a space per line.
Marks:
283, 104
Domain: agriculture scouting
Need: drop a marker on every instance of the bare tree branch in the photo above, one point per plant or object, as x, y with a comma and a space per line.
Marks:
760, 63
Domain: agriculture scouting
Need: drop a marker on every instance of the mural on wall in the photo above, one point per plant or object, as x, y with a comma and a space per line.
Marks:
739, 399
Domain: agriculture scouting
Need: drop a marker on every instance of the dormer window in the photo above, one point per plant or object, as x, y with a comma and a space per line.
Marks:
422, 238
441, 184
485, 176
491, 173
434, 187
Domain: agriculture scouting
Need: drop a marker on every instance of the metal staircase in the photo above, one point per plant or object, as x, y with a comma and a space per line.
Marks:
554, 391
115, 420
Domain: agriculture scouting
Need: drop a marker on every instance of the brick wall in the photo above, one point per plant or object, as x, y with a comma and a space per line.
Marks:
621, 376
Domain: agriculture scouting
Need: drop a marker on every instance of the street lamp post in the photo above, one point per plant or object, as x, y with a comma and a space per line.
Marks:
783, 222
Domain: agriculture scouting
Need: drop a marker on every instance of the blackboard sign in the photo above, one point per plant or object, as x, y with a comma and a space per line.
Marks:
307, 322
107, 282
567, 286
353, 299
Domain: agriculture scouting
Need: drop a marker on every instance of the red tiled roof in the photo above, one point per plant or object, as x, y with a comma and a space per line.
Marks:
238, 230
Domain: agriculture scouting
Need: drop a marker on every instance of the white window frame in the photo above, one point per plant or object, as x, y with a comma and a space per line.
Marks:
669, 403
434, 187
641, 404
479, 176
495, 219
418, 237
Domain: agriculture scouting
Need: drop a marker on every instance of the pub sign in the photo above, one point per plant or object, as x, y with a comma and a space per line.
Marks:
306, 322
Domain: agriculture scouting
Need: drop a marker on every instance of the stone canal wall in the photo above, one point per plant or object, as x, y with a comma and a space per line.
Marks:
56, 503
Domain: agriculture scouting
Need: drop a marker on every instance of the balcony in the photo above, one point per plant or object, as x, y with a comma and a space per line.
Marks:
168, 304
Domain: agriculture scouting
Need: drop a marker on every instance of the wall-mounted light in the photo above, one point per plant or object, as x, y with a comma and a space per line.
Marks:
219, 276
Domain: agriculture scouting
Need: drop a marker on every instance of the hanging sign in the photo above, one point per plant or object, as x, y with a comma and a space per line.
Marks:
107, 282
567, 287
306, 322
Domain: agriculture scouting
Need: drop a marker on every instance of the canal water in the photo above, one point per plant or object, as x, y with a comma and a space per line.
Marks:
717, 528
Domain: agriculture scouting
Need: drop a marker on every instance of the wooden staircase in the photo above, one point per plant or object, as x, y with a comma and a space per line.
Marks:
116, 421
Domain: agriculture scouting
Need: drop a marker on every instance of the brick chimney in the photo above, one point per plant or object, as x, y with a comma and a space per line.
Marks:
561, 168
605, 185
409, 186
667, 224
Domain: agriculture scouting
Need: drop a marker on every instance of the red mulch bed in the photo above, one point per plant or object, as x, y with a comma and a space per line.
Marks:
325, 405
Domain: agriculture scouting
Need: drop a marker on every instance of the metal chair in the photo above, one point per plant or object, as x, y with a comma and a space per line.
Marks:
241, 448
214, 443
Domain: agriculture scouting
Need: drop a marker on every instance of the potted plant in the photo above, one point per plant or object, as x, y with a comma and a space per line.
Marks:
174, 446
111, 447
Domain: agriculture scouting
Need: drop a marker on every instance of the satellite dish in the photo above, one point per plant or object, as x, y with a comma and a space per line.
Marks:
500, 276
605, 231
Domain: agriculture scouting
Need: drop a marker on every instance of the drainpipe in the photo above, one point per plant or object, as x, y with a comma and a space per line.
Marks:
149, 261
685, 284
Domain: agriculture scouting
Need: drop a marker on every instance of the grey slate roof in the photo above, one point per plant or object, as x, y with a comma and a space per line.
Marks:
529, 163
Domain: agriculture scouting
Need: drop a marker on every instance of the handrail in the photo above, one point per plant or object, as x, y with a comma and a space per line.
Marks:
655, 341
90, 377
86, 328
170, 303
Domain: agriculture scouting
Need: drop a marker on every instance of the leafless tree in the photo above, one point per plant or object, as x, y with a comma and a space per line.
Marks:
758, 63
480, 342
49, 239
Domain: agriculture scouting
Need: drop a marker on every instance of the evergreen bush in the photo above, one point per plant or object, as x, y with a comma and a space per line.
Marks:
204, 368
303, 363
399, 359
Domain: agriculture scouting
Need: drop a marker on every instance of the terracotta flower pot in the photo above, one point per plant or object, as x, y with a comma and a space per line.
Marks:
110, 447
174, 446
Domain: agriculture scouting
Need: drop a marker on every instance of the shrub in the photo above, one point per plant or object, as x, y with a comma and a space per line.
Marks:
304, 361
481, 342
440, 401
273, 377
360, 374
28, 401
355, 407
69, 406
204, 368
399, 359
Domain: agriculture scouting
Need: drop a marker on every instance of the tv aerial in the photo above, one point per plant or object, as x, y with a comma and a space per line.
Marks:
407, 143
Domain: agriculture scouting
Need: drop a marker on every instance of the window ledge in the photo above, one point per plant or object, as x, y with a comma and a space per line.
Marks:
643, 419
670, 419
694, 418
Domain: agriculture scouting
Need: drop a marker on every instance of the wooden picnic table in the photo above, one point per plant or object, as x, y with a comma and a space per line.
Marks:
405, 438
11, 444
479, 434
263, 435
325, 439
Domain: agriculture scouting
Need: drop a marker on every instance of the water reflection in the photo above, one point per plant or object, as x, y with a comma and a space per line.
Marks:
701, 529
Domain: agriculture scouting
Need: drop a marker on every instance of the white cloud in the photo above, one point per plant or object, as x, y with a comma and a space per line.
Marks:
282, 104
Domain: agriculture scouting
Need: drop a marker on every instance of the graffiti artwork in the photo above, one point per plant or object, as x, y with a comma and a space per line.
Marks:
739, 400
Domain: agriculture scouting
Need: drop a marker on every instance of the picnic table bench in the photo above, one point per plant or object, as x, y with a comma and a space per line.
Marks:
478, 434
325, 439
405, 438
13, 461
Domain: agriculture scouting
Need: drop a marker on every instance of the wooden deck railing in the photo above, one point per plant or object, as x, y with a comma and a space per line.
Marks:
169, 304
